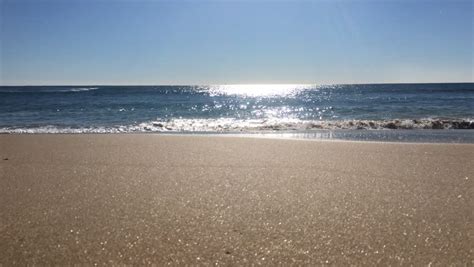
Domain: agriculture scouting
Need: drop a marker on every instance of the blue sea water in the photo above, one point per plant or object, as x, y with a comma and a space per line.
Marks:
235, 108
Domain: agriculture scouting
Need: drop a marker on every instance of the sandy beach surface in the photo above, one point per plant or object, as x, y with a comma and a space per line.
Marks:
144, 198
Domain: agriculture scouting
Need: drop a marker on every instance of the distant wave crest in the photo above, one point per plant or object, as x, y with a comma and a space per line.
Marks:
264, 125
83, 89
47, 90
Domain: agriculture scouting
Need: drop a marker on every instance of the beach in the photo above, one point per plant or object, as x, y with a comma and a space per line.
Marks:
185, 199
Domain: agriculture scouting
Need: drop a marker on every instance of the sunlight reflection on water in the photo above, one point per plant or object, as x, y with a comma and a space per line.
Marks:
259, 90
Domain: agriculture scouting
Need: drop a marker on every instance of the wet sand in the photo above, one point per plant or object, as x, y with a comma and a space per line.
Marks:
138, 199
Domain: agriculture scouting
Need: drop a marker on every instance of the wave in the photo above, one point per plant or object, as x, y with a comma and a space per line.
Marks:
83, 89
47, 90
236, 125
266, 125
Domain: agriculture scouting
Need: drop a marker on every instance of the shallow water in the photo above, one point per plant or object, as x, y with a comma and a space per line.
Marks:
406, 136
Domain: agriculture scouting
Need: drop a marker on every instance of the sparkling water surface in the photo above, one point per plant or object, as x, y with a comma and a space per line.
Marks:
235, 108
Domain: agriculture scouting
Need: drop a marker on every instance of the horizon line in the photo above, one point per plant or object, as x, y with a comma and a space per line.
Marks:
221, 84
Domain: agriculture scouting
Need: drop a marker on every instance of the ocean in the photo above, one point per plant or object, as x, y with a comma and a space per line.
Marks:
314, 111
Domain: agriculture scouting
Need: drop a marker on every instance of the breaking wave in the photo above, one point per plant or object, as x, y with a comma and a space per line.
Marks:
229, 125
83, 89
27, 90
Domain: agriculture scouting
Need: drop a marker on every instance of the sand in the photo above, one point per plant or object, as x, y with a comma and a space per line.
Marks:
139, 199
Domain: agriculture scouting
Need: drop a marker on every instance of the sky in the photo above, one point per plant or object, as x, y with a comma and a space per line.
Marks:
105, 42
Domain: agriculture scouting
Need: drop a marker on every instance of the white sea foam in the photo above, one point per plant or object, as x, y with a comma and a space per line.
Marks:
49, 90
256, 125
236, 125
82, 89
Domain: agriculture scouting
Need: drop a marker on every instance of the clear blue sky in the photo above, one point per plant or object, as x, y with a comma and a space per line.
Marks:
214, 42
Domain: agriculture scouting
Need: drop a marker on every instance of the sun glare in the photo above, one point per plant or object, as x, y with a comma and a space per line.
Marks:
255, 90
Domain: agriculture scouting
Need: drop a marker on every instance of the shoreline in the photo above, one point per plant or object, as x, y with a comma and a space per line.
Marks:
181, 199
446, 136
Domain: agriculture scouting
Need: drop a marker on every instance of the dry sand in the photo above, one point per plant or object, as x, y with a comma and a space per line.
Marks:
188, 199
